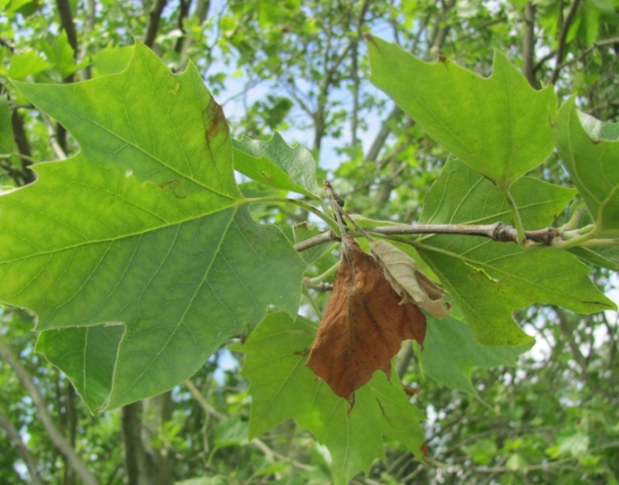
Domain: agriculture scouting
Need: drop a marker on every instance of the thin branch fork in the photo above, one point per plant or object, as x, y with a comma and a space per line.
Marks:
497, 232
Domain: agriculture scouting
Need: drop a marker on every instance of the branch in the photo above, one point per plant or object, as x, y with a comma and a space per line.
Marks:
182, 15
23, 146
53, 138
154, 16
528, 44
46, 419
497, 232
134, 450
21, 448
563, 39
321, 238
66, 20
258, 443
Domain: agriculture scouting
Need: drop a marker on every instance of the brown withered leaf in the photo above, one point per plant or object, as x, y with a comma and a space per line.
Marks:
410, 283
363, 326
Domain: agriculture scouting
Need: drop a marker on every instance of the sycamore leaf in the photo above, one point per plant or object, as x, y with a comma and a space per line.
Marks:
408, 282
142, 241
604, 256
27, 64
282, 387
592, 164
364, 324
112, 60
498, 126
276, 164
451, 352
490, 280
598, 130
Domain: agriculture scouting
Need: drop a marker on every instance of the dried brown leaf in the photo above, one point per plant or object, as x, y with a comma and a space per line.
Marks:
363, 326
410, 283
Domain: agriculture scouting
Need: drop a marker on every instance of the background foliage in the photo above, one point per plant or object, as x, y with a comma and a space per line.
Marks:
302, 69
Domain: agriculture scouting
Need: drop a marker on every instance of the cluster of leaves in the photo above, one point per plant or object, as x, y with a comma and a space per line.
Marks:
166, 263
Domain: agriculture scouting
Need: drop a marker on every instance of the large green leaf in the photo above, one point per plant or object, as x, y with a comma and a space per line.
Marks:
144, 229
498, 126
451, 352
282, 387
592, 164
276, 164
488, 279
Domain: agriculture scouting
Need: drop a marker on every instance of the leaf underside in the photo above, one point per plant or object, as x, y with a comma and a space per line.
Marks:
490, 280
141, 241
592, 164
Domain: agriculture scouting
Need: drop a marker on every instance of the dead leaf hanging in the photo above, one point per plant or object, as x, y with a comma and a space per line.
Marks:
410, 283
363, 326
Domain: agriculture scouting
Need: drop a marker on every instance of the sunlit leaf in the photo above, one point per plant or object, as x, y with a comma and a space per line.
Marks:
498, 126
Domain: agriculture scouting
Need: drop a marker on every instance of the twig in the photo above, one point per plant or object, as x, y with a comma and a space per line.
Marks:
21, 448
323, 286
44, 415
270, 454
497, 232
208, 409
53, 138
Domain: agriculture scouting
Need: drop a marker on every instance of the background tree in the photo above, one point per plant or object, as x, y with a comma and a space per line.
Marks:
302, 69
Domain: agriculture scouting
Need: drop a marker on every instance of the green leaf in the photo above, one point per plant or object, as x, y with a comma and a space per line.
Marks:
598, 130
498, 126
276, 164
516, 462
592, 164
488, 279
282, 387
604, 256
451, 352
215, 480
144, 229
62, 55
87, 355
112, 60
27, 64
230, 432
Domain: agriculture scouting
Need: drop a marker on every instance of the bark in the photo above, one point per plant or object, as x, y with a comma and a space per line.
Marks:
528, 45
145, 464
134, 451
571, 14
26, 175
154, 16
66, 20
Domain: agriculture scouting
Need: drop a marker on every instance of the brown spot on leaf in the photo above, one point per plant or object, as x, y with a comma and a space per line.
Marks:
215, 121
363, 326
368, 37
